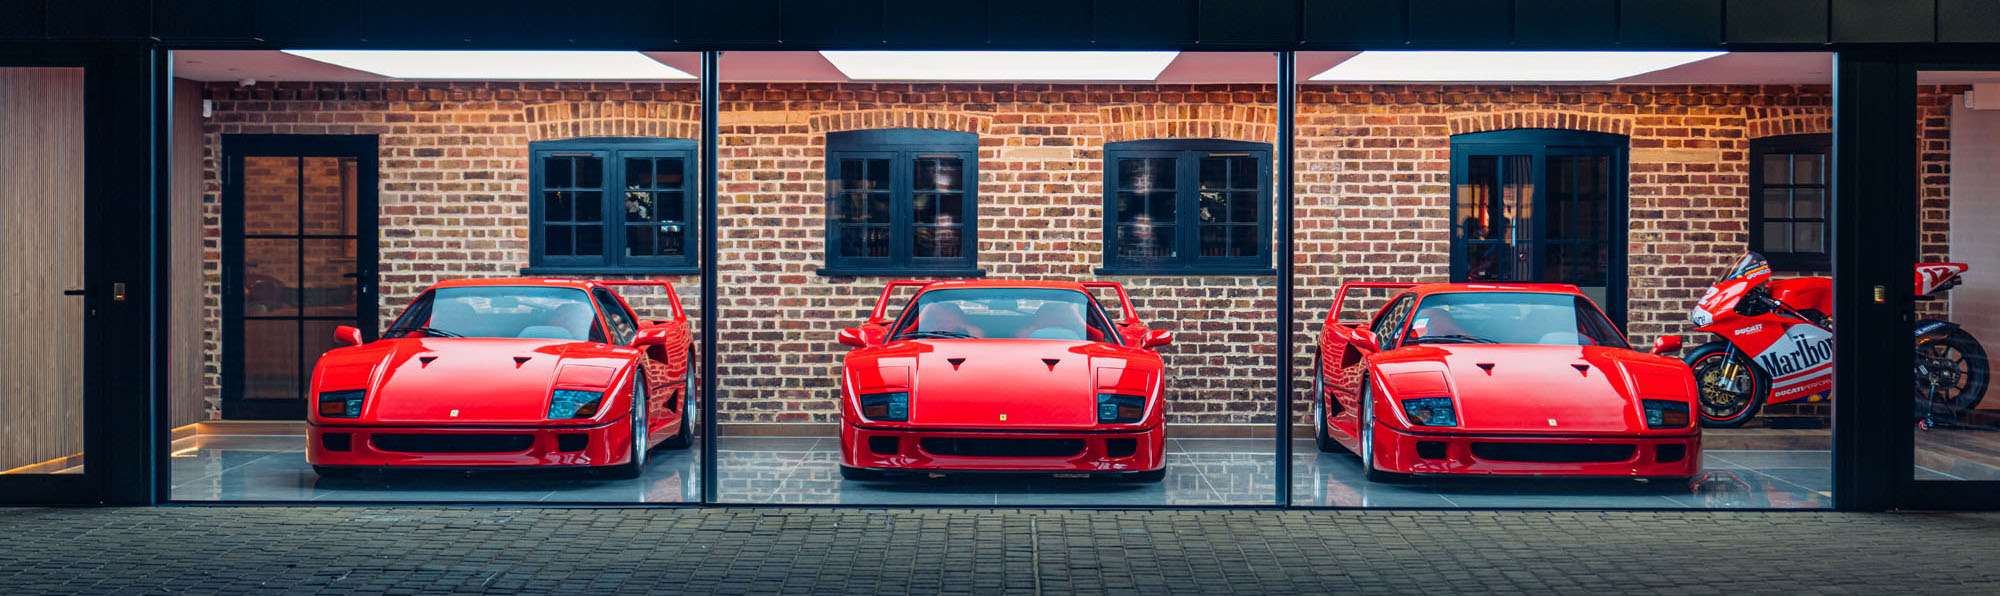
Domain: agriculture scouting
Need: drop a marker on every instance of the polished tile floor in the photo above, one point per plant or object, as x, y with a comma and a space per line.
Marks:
802, 470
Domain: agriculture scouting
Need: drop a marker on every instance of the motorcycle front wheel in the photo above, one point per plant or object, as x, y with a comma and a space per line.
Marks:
1730, 387
1952, 372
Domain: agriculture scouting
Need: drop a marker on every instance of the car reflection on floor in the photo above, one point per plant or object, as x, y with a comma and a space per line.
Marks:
804, 470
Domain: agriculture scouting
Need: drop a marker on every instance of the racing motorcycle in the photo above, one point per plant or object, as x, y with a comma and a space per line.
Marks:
1776, 345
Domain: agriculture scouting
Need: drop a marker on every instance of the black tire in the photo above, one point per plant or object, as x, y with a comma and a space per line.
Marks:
1718, 407
847, 473
1368, 440
1320, 436
636, 463
1147, 476
686, 436
1968, 379
336, 472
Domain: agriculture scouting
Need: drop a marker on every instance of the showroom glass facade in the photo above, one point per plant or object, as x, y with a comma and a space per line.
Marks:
1366, 180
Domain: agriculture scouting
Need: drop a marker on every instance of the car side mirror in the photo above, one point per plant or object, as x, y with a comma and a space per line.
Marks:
851, 337
1667, 344
649, 337
347, 335
1366, 339
1156, 338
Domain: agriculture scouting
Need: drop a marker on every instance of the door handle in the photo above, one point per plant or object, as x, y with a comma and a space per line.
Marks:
75, 292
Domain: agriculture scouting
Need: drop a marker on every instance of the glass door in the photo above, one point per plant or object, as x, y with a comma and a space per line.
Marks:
1541, 206
299, 260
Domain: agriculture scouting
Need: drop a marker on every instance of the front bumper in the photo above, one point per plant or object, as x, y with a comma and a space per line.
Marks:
469, 447
1003, 451
1537, 455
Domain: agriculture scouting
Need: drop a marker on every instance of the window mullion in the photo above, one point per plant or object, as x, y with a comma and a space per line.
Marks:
900, 246
613, 204
1187, 201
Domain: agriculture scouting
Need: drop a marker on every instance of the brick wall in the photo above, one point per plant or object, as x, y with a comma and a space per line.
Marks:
1372, 198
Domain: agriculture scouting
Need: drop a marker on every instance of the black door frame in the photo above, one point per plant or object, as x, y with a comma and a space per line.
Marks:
1541, 143
364, 148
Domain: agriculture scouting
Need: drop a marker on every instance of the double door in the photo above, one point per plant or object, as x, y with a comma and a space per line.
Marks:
1541, 206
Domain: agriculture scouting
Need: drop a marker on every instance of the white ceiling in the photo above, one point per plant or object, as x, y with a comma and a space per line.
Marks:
1189, 67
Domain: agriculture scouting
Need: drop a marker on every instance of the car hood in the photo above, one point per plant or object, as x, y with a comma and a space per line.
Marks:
1534, 389
1034, 384
468, 380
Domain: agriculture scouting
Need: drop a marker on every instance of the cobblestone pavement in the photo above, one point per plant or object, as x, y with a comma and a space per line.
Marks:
231, 550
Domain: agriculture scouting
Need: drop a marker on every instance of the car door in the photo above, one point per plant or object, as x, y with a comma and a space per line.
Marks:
1353, 365
659, 377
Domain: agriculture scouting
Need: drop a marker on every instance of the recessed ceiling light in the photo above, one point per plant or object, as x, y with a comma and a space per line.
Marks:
1000, 66
1505, 66
499, 65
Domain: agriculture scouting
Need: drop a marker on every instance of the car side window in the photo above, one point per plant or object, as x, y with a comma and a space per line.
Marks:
623, 325
1392, 320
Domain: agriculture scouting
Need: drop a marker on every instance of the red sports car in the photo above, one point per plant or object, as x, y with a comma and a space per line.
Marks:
1003, 376
504, 373
1515, 379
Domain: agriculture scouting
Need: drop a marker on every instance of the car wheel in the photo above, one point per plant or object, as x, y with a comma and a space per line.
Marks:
1368, 439
848, 473
1320, 435
334, 472
1730, 388
1146, 476
637, 462
686, 435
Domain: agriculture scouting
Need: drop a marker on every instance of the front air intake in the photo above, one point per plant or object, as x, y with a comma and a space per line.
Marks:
1003, 447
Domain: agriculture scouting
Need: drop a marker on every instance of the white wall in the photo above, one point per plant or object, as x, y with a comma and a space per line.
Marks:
1975, 224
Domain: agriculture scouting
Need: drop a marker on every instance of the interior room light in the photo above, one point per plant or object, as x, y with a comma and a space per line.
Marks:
1504, 66
1000, 66
499, 65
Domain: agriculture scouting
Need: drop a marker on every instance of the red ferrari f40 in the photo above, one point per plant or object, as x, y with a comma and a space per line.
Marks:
1513, 379
1003, 376
506, 373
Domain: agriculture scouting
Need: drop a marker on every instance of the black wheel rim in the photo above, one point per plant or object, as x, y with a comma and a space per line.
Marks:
1944, 369
1717, 401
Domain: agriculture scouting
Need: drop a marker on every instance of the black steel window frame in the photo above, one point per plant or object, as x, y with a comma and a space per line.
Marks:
1187, 259
902, 148
612, 260
1801, 144
1539, 144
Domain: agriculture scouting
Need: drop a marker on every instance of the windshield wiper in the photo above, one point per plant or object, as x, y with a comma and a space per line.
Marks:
934, 334
430, 331
1453, 339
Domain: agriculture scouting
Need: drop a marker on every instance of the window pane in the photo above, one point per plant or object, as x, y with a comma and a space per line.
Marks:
1211, 207
327, 288
557, 172
1162, 206
1806, 202
1808, 237
1213, 174
1777, 203
1213, 241
938, 241
863, 241
1778, 237
1777, 168
670, 172
638, 173
639, 241
1243, 172
270, 195
1808, 168
589, 172
938, 174
671, 206
558, 241
672, 240
328, 192
589, 241
1143, 241
1243, 240
270, 277
1243, 206
589, 206
639, 207
558, 205
1145, 175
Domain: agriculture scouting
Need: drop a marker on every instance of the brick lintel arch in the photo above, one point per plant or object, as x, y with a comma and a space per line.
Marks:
1189, 121
580, 119
1556, 119
1777, 121
892, 118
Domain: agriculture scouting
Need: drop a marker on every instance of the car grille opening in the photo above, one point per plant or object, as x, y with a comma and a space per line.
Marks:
1667, 454
421, 443
1003, 447
884, 445
572, 442
1120, 447
1430, 449
336, 441
1553, 453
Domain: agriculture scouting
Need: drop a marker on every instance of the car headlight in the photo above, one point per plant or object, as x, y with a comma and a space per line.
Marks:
1661, 413
1430, 411
570, 403
886, 407
341, 404
1118, 408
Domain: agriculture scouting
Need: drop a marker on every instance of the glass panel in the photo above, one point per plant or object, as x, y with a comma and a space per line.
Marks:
42, 184
1145, 241
639, 241
1806, 203
329, 191
558, 172
559, 241
270, 277
271, 359
1808, 168
559, 205
589, 172
1808, 237
329, 288
1777, 237
270, 195
1777, 168
589, 206
1145, 175
589, 241
318, 336
864, 241
639, 173
938, 174
1777, 203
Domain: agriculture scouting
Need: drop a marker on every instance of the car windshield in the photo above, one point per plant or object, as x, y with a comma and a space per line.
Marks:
501, 311
1009, 313
1511, 318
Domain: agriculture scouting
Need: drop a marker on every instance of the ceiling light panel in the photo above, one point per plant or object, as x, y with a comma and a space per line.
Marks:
1423, 66
1000, 66
499, 65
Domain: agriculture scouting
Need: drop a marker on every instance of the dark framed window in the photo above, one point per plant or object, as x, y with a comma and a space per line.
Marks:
612, 205
902, 201
1788, 210
1544, 206
1194, 206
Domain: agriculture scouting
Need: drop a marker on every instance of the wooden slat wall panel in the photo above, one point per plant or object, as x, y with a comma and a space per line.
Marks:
184, 380
41, 254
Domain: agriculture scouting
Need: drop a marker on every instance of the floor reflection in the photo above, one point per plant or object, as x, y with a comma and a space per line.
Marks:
273, 468
1730, 480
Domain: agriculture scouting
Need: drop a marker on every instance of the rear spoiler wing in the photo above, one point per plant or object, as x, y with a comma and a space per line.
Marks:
880, 315
1124, 301
673, 298
1340, 298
